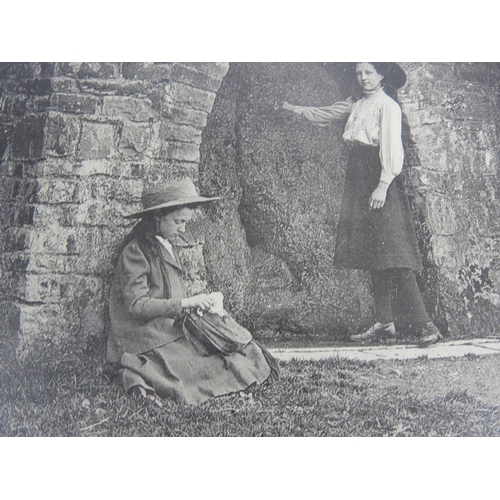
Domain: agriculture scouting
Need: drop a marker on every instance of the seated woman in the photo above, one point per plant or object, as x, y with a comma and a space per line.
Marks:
148, 301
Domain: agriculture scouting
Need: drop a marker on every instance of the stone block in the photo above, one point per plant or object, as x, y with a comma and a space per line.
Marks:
24, 215
134, 138
77, 290
52, 238
15, 262
62, 134
55, 213
94, 167
6, 131
89, 261
196, 78
64, 85
169, 169
182, 133
58, 191
98, 70
128, 108
64, 167
112, 87
181, 151
98, 140
21, 190
116, 190
182, 94
74, 103
38, 104
217, 69
20, 70
38, 320
15, 239
19, 105
187, 116
7, 214
153, 72
87, 70
31, 86
99, 212
27, 140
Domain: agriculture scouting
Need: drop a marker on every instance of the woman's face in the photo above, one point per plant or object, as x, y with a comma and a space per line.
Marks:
368, 78
174, 223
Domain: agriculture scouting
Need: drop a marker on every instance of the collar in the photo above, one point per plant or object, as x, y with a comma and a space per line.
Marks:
167, 245
369, 93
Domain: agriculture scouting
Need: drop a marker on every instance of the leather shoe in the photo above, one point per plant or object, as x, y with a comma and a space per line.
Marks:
376, 332
430, 335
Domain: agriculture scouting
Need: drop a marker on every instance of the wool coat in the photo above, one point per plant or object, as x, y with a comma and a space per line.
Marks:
145, 301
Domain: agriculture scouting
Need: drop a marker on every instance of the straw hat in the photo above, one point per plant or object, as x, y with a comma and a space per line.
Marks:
169, 194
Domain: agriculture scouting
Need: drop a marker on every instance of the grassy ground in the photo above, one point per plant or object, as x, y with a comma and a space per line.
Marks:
423, 397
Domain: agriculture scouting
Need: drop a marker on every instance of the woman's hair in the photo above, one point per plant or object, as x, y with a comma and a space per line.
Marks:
382, 69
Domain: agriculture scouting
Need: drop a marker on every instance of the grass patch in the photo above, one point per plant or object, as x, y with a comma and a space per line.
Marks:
334, 397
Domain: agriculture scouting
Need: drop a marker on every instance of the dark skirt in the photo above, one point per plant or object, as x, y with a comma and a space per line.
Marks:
175, 371
374, 239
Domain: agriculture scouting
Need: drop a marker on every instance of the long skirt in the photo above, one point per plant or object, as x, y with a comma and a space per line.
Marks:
176, 371
374, 239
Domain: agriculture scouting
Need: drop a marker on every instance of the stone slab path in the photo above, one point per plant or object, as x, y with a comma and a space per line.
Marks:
479, 347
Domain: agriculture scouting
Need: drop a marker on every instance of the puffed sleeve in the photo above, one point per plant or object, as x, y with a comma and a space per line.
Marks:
323, 116
135, 288
390, 141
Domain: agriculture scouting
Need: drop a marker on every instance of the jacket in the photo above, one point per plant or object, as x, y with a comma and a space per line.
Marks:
145, 301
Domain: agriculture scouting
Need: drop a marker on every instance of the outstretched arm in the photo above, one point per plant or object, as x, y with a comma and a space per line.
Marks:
322, 116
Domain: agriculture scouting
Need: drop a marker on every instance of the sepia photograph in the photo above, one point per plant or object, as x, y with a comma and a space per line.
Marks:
309, 249
229, 246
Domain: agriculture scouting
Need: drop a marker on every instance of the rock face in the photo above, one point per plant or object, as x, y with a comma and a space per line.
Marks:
270, 244
453, 115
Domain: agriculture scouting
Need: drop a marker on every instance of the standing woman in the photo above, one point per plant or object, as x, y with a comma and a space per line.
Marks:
148, 302
376, 231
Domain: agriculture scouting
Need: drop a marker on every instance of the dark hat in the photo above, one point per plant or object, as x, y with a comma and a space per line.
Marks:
394, 75
170, 194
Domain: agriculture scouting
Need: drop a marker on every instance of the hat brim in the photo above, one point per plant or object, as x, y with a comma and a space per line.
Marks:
192, 200
395, 75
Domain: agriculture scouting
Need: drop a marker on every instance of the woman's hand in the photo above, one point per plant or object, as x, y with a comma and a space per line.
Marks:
287, 106
377, 199
202, 301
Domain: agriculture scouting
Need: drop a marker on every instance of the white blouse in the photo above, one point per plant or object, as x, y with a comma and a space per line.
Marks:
374, 120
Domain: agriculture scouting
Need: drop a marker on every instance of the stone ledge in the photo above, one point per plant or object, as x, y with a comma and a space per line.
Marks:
478, 347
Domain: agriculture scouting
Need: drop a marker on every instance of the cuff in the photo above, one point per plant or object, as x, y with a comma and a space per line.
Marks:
387, 177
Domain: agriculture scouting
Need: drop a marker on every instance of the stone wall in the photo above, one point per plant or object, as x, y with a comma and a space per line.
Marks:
453, 113
78, 141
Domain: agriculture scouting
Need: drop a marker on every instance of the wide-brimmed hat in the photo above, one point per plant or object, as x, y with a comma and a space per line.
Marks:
170, 194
